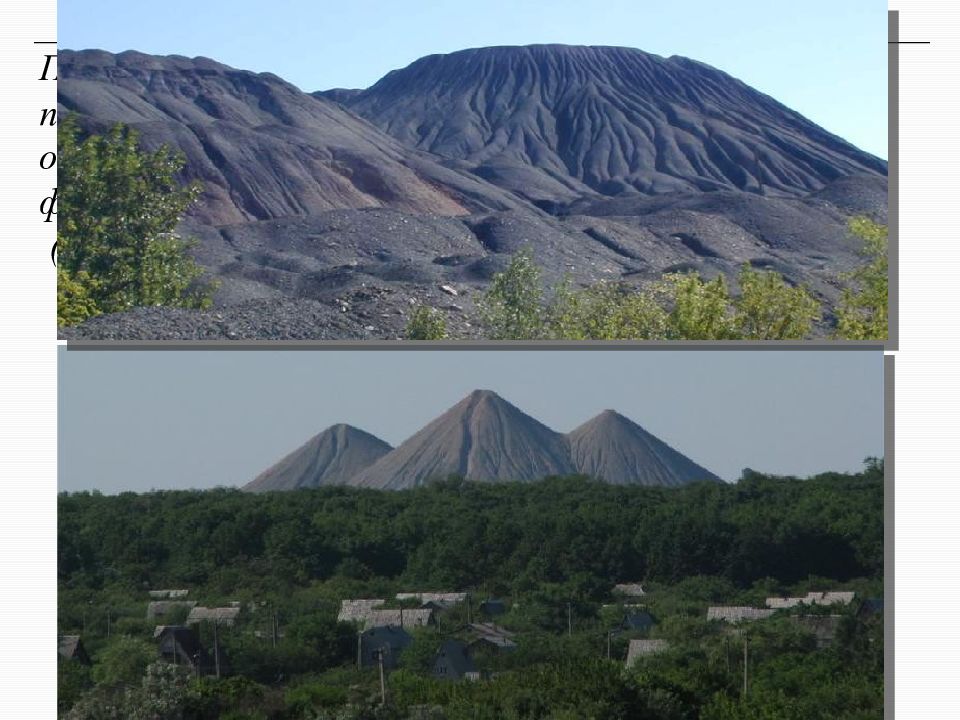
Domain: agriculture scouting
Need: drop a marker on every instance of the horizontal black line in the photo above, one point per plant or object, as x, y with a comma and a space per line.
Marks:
908, 42
44, 42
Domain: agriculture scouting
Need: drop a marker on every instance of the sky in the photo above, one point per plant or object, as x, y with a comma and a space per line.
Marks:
826, 60
196, 419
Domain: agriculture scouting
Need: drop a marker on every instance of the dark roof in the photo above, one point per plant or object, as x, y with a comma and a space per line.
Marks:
493, 606
70, 647
871, 606
453, 660
638, 620
387, 634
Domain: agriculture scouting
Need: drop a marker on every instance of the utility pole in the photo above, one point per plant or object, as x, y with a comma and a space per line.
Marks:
469, 609
108, 624
745, 659
216, 648
609, 638
274, 628
359, 650
383, 685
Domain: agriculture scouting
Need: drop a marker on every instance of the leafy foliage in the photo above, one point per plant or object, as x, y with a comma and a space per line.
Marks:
552, 550
118, 208
680, 306
862, 314
426, 323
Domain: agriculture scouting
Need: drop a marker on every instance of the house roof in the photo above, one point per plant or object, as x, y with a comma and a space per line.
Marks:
439, 597
357, 610
168, 594
638, 620
406, 618
644, 647
493, 634
812, 598
369, 613
219, 615
69, 646
734, 613
162, 607
383, 635
631, 589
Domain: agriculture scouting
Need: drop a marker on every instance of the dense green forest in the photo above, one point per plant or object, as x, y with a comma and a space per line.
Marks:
552, 550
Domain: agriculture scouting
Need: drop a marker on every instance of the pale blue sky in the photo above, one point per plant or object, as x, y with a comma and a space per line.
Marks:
142, 420
827, 60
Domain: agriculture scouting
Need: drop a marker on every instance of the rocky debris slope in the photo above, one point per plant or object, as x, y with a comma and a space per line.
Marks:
552, 122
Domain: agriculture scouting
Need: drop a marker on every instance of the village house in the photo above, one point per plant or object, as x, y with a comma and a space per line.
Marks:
69, 647
645, 647
357, 610
162, 609
179, 645
369, 613
388, 641
220, 615
735, 614
811, 598
637, 620
453, 661
449, 598
168, 594
490, 637
629, 589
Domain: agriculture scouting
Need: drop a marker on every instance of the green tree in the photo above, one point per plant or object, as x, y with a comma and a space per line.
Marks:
512, 308
426, 323
768, 308
862, 314
698, 309
118, 209
123, 661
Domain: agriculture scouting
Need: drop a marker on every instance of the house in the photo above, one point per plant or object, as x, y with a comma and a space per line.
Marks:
219, 615
168, 594
357, 610
161, 609
490, 636
493, 607
453, 661
450, 598
629, 589
69, 647
811, 598
180, 645
736, 614
389, 641
370, 613
401, 617
638, 620
645, 647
